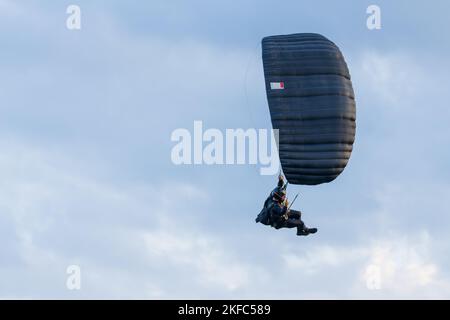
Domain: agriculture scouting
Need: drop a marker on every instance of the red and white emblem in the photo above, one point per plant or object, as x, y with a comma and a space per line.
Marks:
277, 85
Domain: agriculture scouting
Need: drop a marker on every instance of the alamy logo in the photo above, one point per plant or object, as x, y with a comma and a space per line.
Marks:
73, 281
235, 146
73, 21
374, 20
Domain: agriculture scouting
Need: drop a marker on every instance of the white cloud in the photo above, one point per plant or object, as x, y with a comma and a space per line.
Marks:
407, 266
320, 257
44, 192
392, 77
406, 263
212, 265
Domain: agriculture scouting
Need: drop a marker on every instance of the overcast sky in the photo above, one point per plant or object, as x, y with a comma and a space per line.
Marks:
86, 176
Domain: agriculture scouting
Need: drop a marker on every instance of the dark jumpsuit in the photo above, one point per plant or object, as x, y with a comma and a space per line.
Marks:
277, 216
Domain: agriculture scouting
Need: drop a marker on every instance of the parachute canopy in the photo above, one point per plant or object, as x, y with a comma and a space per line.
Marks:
312, 103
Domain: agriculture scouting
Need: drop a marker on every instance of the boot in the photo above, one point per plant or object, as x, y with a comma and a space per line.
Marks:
306, 231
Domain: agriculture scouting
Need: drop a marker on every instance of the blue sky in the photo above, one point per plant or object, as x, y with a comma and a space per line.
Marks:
86, 176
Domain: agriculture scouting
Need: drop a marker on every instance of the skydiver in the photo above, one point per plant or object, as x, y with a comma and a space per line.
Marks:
277, 214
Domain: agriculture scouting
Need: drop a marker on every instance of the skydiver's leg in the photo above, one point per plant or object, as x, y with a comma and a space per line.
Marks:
295, 220
295, 223
294, 214
302, 230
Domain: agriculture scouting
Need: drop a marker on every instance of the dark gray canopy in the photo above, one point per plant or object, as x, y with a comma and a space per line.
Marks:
312, 103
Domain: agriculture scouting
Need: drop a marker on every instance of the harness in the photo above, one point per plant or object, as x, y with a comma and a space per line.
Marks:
276, 221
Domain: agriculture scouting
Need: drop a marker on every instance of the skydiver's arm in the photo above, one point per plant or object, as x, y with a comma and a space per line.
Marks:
280, 180
281, 211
